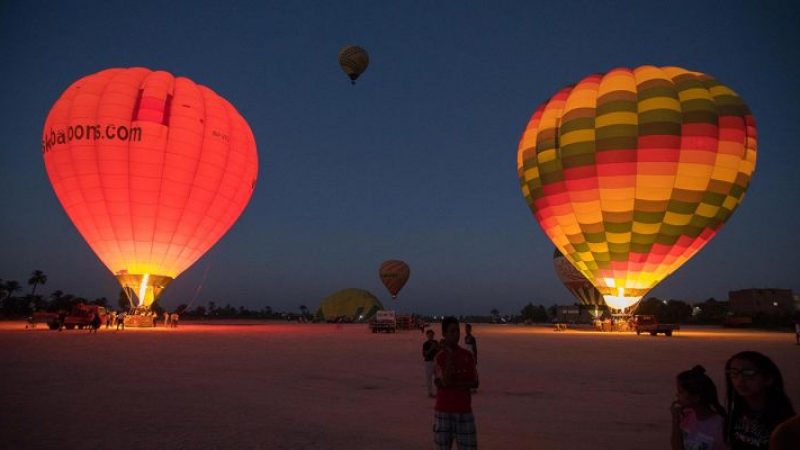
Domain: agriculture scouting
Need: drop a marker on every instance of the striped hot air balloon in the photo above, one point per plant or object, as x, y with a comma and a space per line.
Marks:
630, 173
394, 274
577, 285
152, 169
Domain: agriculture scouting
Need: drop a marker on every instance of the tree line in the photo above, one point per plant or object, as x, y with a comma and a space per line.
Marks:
19, 302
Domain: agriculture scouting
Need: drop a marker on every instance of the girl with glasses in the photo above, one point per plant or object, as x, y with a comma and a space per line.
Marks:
757, 402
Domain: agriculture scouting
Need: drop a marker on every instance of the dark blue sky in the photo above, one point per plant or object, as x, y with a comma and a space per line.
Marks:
416, 162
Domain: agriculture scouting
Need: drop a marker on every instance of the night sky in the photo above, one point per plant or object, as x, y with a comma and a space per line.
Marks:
417, 161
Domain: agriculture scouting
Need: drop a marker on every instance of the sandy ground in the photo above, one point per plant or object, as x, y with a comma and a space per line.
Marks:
313, 386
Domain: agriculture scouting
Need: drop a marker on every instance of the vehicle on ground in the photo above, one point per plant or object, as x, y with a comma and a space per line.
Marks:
81, 316
649, 324
383, 322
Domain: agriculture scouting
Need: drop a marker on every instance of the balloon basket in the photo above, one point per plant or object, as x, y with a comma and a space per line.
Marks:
140, 321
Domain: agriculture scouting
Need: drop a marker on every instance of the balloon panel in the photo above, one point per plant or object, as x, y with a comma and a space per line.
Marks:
632, 172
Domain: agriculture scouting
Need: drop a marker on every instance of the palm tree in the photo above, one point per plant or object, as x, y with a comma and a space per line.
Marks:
37, 277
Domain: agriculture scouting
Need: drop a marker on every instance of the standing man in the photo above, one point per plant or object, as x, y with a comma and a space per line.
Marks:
429, 349
797, 332
456, 375
472, 345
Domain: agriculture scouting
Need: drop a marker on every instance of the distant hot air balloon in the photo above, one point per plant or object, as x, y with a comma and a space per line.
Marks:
152, 169
394, 274
354, 61
577, 285
632, 172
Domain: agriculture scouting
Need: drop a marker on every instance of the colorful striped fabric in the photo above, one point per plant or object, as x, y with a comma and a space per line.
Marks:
632, 172
577, 285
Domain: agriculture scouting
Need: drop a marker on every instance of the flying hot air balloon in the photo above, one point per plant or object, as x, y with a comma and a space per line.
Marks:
630, 173
577, 285
394, 274
151, 168
354, 61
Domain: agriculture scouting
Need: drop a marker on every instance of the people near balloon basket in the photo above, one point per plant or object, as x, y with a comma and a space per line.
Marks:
455, 376
756, 400
166, 320
62, 315
95, 323
698, 418
173, 320
121, 320
429, 349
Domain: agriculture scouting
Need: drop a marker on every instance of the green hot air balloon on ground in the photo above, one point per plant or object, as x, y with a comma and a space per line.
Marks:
349, 305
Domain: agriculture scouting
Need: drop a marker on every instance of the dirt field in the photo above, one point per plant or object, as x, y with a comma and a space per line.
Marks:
297, 386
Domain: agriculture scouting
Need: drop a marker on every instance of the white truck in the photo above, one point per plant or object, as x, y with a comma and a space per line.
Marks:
383, 322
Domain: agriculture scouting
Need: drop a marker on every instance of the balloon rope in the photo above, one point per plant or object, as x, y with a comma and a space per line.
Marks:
199, 288
128, 295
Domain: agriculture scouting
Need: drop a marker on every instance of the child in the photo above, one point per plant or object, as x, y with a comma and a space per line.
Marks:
698, 419
756, 400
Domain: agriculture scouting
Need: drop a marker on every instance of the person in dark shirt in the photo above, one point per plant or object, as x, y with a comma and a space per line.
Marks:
470, 343
455, 376
95, 324
429, 349
757, 402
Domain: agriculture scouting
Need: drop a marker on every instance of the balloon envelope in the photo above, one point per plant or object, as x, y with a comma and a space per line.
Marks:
394, 274
352, 303
152, 169
354, 61
577, 284
632, 172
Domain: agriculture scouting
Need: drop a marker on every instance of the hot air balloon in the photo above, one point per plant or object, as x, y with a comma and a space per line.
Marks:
577, 285
394, 274
152, 169
354, 61
630, 173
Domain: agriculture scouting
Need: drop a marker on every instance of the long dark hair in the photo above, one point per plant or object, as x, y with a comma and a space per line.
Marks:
696, 382
778, 407
446, 322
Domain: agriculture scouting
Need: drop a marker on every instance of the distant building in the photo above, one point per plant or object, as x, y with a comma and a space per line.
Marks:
749, 302
572, 314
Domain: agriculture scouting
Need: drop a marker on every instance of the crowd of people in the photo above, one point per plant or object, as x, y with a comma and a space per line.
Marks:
757, 415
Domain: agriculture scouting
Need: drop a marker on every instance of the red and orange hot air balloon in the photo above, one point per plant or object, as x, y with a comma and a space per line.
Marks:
394, 274
151, 168
632, 172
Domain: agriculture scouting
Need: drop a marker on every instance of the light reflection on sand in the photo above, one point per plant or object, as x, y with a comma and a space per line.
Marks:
281, 385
